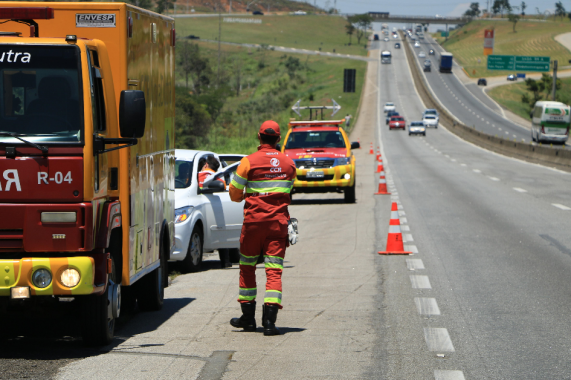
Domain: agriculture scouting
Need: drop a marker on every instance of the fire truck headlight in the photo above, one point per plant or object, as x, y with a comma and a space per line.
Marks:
70, 277
42, 278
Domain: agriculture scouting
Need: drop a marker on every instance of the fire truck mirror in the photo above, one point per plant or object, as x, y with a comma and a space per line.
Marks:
132, 113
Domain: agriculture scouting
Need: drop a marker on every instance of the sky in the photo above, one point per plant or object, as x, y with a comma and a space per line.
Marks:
426, 8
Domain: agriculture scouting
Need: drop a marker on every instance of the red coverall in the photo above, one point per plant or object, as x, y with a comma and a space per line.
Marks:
267, 176
205, 174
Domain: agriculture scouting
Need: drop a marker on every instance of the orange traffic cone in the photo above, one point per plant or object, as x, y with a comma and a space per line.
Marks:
382, 185
395, 244
380, 167
371, 149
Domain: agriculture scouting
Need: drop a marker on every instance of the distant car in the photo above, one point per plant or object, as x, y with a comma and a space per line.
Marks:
397, 122
376, 37
416, 44
395, 35
300, 13
430, 121
397, 45
421, 55
389, 106
482, 82
416, 128
389, 115
430, 111
193, 37
431, 52
386, 39
427, 65
258, 13
512, 77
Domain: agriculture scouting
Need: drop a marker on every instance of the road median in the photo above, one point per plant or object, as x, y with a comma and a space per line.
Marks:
544, 155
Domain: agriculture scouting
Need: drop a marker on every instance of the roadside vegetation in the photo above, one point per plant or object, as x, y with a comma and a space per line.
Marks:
534, 38
220, 108
311, 32
519, 97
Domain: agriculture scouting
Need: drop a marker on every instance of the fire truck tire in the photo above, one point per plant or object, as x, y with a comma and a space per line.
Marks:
152, 288
97, 327
349, 193
193, 260
234, 255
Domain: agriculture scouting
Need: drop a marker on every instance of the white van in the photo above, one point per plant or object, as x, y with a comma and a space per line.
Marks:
385, 56
550, 122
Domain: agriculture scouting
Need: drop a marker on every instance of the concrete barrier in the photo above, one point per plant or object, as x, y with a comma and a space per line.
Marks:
559, 158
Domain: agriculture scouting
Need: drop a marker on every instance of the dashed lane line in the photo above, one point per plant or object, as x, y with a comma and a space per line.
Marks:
561, 207
494, 178
426, 306
438, 339
404, 228
520, 190
414, 264
410, 248
407, 238
420, 282
441, 374
476, 170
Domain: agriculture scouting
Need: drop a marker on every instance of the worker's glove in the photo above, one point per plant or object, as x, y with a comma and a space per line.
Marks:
292, 230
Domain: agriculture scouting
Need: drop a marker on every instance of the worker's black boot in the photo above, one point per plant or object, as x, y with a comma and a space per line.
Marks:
269, 316
248, 319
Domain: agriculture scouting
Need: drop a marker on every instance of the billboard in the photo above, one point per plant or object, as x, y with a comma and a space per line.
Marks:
488, 41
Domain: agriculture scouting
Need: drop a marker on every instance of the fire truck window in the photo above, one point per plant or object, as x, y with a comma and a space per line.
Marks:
97, 96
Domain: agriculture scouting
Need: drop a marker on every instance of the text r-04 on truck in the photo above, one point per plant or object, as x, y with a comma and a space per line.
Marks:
86, 157
322, 154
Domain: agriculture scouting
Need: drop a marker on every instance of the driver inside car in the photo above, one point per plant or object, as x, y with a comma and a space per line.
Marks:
208, 166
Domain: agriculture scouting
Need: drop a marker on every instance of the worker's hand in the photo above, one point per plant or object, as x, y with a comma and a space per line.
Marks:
292, 231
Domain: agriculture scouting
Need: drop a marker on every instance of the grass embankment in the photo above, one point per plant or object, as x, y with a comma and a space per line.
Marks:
309, 32
270, 92
509, 96
531, 38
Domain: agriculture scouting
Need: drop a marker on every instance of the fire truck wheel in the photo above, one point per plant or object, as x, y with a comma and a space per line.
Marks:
234, 255
193, 260
152, 288
350, 193
98, 326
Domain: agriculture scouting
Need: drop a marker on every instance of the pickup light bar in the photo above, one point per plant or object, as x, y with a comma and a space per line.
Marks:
21, 13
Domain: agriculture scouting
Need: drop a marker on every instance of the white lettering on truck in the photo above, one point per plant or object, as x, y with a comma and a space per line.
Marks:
15, 179
57, 178
25, 57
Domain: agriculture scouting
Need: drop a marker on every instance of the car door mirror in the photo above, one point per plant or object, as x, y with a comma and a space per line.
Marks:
355, 145
213, 187
531, 115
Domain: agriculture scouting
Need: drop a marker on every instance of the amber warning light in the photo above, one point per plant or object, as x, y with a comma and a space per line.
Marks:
26, 13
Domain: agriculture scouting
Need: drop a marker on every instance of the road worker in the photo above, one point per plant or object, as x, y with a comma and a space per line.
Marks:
264, 179
207, 167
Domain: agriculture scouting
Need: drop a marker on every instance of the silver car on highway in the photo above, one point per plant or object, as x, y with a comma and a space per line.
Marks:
430, 121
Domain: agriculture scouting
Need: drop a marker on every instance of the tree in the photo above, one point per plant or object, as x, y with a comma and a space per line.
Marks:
363, 22
501, 6
513, 18
523, 6
560, 9
350, 30
192, 121
147, 4
164, 5
292, 65
474, 10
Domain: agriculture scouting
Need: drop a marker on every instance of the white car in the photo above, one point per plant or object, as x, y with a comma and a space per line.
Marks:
205, 219
389, 106
416, 44
300, 13
430, 121
421, 55
431, 111
417, 128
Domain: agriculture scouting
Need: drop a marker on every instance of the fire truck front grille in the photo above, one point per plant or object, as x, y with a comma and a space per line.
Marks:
317, 164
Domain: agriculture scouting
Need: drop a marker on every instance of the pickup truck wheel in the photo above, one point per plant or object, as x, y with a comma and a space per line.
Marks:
151, 291
97, 326
234, 255
349, 193
193, 260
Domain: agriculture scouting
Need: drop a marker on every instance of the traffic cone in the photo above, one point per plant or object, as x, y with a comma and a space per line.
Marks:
382, 185
395, 244
371, 149
380, 167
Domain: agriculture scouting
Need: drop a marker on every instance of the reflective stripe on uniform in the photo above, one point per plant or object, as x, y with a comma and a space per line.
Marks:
247, 294
248, 260
269, 186
273, 262
273, 296
239, 182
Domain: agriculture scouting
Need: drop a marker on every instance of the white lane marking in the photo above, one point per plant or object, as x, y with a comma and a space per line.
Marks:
407, 238
403, 221
493, 125
405, 228
438, 339
487, 122
453, 160
520, 190
559, 206
399, 206
463, 165
494, 178
414, 264
446, 156
410, 248
402, 213
441, 374
499, 129
426, 306
394, 197
507, 133
514, 136
420, 282
476, 170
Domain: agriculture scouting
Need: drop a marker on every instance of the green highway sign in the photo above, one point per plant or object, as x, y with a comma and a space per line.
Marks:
443, 34
518, 63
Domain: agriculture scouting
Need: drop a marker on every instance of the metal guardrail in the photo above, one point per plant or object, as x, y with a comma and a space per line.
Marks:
383, 16
559, 158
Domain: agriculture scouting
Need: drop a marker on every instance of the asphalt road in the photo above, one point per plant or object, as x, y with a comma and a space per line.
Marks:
486, 294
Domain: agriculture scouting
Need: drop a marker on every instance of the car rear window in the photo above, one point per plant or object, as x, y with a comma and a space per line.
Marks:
389, 104
315, 139
430, 117
397, 118
416, 124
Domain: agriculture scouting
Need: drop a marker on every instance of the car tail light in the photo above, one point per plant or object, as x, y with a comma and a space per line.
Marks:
20, 13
